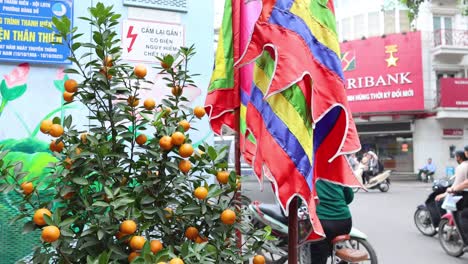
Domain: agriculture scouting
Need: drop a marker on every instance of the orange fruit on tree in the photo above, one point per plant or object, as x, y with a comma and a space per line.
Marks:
185, 124
128, 227
137, 242
105, 71
68, 97
120, 235
201, 193
38, 217
68, 163
149, 104
156, 246
177, 90
68, 195
132, 101
259, 259
106, 198
84, 138
228, 217
50, 234
141, 139
108, 61
78, 151
133, 256
222, 177
185, 166
27, 187
178, 138
56, 147
176, 261
71, 86
56, 130
191, 232
166, 143
166, 112
199, 111
140, 71
164, 65
46, 125
200, 240
186, 150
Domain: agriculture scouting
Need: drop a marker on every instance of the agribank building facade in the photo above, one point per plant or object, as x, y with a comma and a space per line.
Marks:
32, 77
407, 85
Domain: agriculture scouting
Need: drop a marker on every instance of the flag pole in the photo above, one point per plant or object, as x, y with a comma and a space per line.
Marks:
237, 165
292, 231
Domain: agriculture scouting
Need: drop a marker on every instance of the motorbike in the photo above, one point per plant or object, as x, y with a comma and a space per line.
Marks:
380, 181
351, 248
449, 235
427, 216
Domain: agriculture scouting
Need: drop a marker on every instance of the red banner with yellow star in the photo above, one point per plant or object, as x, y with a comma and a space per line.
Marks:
384, 74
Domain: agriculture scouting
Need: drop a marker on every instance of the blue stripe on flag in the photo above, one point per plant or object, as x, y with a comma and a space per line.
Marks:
280, 132
321, 52
325, 125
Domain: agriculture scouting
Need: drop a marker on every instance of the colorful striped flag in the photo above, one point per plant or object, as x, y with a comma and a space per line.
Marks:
278, 63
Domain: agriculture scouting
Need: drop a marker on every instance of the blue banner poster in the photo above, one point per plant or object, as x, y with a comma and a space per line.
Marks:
24, 36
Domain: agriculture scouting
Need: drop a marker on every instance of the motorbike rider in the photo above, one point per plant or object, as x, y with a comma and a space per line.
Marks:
460, 185
334, 215
353, 161
461, 174
372, 166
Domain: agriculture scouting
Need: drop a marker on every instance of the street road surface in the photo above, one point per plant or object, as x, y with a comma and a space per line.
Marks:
387, 218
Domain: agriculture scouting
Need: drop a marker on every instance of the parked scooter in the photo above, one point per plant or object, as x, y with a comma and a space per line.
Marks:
449, 235
352, 248
380, 181
428, 215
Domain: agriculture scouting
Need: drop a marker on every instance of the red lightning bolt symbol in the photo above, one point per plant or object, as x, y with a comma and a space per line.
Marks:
132, 36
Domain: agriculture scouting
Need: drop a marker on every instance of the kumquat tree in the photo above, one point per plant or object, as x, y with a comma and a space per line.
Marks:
132, 187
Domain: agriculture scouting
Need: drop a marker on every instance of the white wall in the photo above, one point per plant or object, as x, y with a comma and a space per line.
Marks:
428, 141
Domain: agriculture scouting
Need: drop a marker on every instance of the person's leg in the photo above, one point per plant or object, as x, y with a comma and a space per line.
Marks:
365, 177
332, 229
420, 175
461, 218
320, 251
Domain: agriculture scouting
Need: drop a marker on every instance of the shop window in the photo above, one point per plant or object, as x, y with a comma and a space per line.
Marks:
359, 26
389, 22
395, 151
443, 32
347, 28
404, 21
373, 23
171, 5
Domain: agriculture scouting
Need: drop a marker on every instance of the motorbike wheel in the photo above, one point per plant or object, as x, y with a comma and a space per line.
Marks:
450, 239
422, 220
384, 186
361, 244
